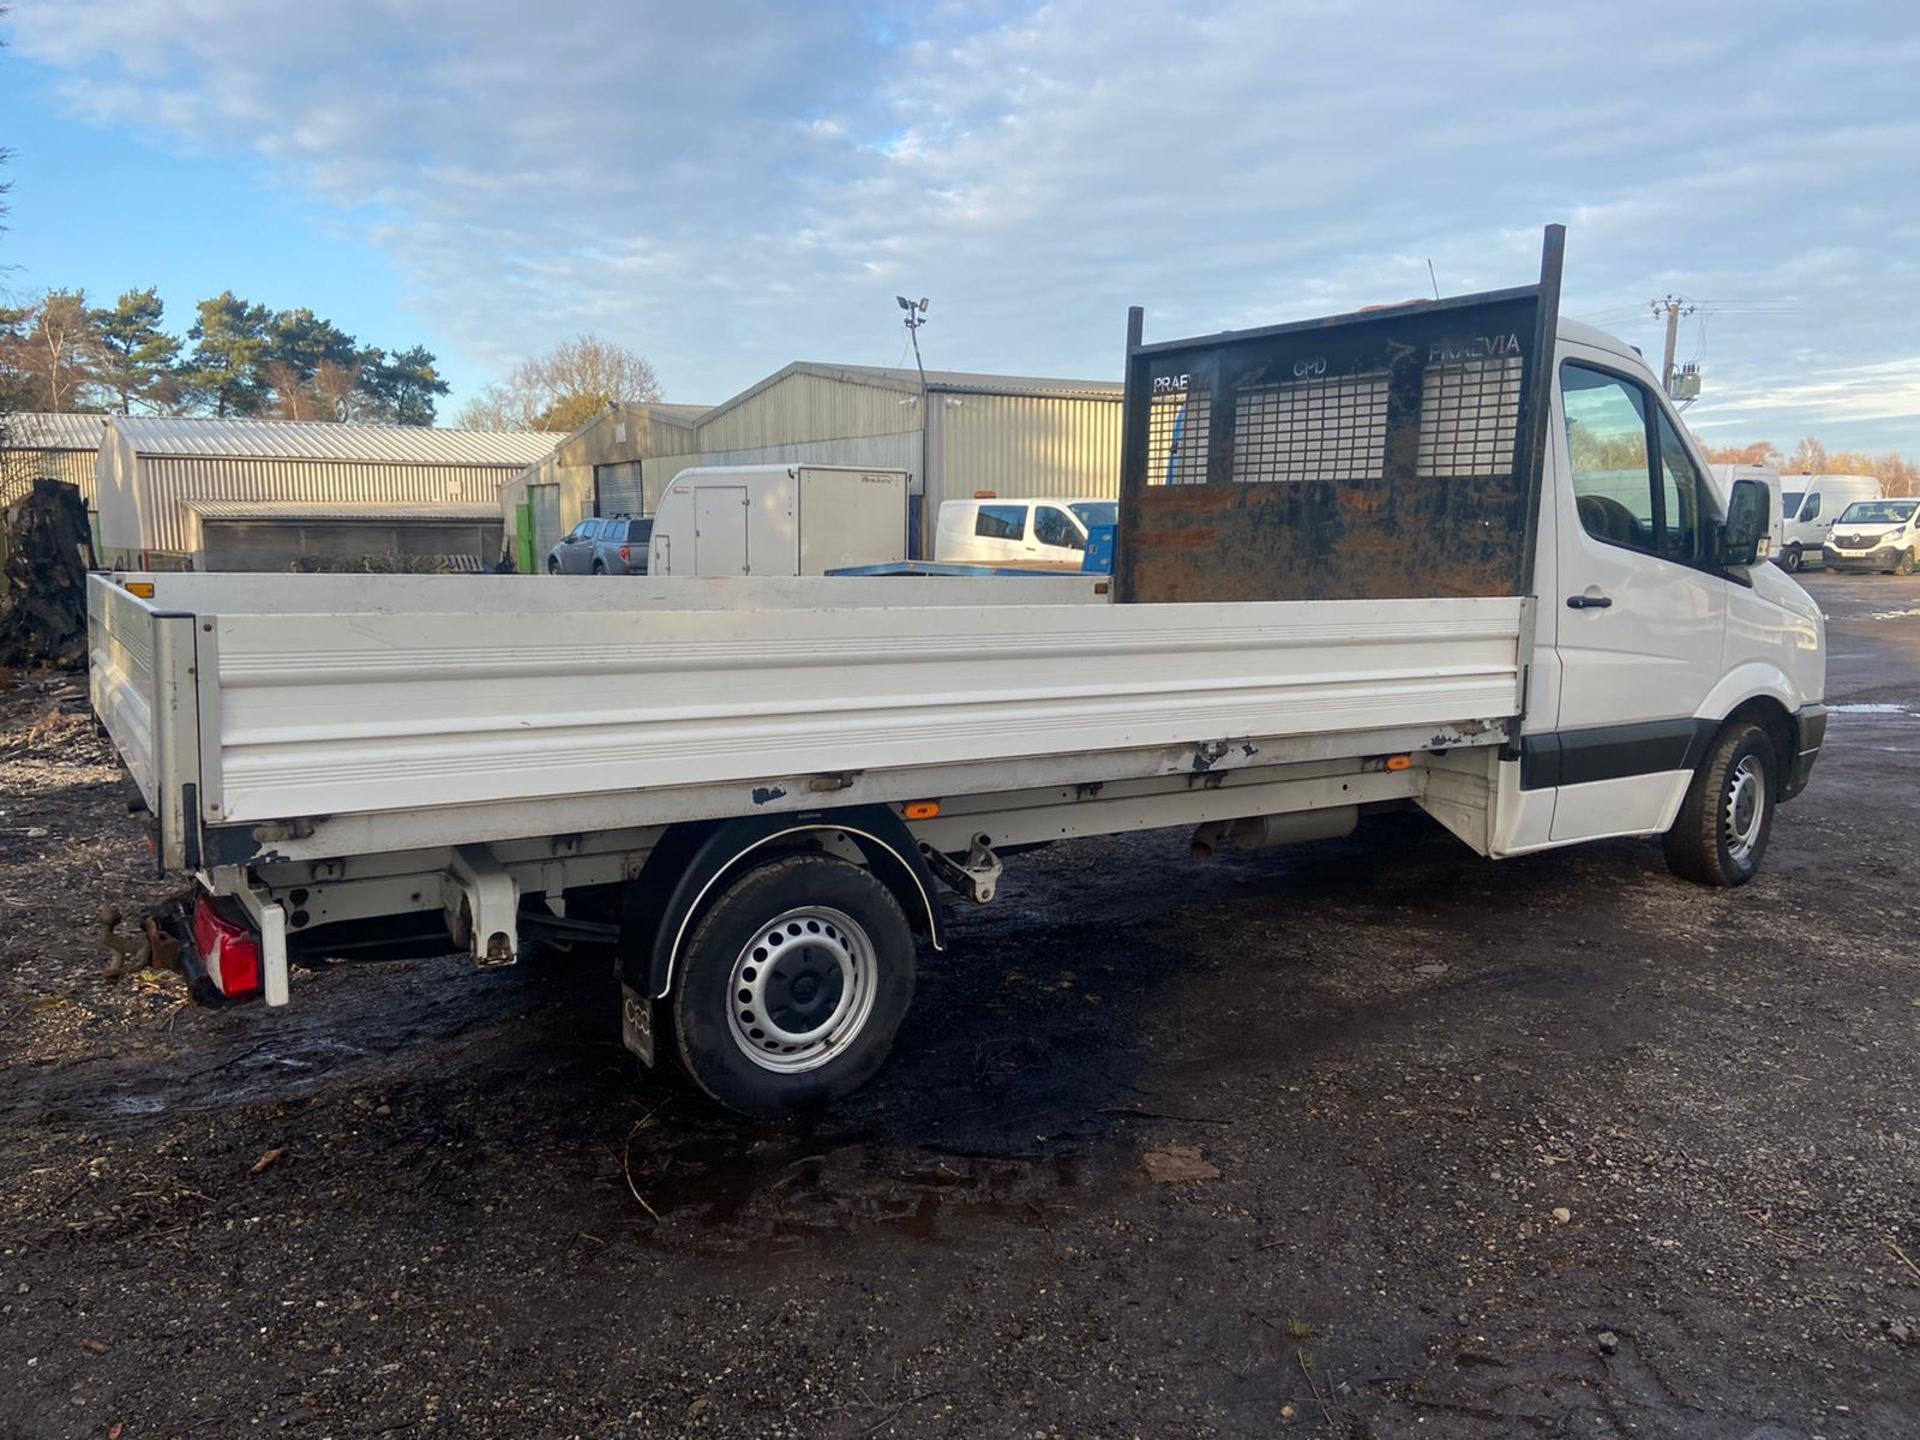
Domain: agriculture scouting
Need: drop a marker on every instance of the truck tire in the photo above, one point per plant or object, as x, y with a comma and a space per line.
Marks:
793, 986
1791, 560
1724, 823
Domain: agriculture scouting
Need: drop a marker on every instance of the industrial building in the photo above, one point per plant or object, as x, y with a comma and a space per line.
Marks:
965, 433
150, 468
594, 471
50, 447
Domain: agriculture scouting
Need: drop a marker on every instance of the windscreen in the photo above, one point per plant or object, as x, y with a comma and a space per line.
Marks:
1096, 512
1878, 512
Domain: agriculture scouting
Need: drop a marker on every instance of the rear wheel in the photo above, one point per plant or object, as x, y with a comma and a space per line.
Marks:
793, 986
1792, 560
1724, 824
598, 568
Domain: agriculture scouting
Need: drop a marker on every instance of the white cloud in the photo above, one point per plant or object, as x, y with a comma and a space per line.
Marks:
733, 185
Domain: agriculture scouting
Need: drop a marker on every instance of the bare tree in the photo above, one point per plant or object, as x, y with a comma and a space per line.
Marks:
564, 388
47, 347
1761, 452
1809, 457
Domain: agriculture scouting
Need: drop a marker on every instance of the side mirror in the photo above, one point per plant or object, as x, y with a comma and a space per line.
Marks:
1747, 523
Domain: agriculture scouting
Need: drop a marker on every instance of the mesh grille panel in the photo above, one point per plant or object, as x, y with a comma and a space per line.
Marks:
1177, 439
1469, 413
1311, 430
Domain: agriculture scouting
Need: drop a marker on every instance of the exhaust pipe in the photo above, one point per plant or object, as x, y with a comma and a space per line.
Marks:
1257, 832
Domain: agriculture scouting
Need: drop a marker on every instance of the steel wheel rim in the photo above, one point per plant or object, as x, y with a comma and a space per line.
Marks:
802, 989
1746, 808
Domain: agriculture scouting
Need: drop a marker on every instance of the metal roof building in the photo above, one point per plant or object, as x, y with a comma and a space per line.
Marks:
149, 467
1017, 436
53, 447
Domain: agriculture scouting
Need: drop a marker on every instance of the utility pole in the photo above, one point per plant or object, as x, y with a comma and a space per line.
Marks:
916, 317
1673, 307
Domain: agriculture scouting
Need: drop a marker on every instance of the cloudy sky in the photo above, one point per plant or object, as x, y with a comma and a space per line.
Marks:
727, 186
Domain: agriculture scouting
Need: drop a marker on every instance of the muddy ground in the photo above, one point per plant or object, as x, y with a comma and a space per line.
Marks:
1556, 1147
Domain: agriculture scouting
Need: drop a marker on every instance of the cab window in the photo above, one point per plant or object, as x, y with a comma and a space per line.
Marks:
1811, 510
1001, 522
1055, 527
1634, 483
1681, 489
1607, 443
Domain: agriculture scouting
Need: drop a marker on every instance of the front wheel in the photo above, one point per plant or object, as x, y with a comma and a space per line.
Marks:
553, 566
1726, 819
793, 986
1904, 565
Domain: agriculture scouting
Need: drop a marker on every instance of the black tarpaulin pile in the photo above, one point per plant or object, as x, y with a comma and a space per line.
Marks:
44, 543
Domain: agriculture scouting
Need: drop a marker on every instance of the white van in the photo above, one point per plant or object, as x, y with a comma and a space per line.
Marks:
1723, 478
1811, 503
1881, 535
778, 520
1047, 531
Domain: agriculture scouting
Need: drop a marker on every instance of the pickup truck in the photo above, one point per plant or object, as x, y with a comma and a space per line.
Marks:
1458, 555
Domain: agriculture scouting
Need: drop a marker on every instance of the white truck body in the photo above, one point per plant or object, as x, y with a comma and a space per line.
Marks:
778, 520
328, 749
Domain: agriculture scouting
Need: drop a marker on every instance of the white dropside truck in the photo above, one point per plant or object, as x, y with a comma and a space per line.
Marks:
1387, 560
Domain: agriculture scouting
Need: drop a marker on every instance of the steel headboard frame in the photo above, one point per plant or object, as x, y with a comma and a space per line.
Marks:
1387, 454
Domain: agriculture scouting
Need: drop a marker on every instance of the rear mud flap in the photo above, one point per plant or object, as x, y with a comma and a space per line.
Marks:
636, 1024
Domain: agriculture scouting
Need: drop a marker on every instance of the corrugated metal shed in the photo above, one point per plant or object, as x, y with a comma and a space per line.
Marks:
54, 447
311, 440
148, 468
309, 510
43, 430
1023, 446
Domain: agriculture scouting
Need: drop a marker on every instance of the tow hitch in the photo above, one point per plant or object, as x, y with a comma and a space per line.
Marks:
209, 941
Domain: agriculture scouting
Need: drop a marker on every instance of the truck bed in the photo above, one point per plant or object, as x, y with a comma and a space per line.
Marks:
273, 716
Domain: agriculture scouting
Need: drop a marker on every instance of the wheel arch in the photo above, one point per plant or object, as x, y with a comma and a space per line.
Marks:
691, 862
1772, 707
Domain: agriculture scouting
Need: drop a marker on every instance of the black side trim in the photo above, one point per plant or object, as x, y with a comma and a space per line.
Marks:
1612, 752
1812, 723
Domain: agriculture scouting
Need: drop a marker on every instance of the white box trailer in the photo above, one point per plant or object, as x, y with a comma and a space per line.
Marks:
1429, 588
778, 520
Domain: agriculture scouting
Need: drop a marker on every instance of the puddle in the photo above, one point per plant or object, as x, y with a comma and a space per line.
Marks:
128, 1105
733, 1192
1873, 709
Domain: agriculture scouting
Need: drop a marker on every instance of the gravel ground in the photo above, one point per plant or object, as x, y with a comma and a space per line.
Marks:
1558, 1147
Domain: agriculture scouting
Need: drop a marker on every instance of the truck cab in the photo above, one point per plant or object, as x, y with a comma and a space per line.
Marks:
1648, 634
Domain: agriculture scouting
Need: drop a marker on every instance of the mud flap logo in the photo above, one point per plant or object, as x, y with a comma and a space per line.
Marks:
636, 1024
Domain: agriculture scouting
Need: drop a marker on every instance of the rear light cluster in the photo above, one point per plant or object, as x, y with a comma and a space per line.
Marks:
229, 951
626, 556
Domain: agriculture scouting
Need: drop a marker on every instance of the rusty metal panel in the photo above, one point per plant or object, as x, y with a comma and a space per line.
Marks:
1389, 454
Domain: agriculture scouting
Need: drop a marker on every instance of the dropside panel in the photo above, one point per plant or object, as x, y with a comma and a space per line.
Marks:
329, 715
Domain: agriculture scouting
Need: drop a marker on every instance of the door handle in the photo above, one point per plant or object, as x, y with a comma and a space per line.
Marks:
1588, 602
